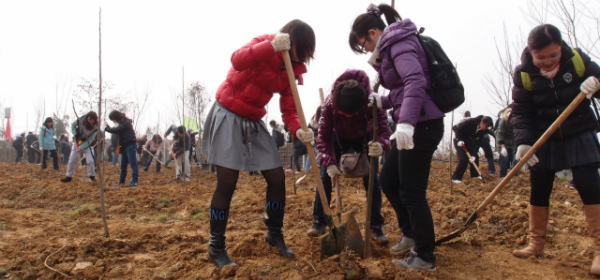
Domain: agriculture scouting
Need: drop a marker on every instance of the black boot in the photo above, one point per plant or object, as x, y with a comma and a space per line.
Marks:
217, 251
274, 221
66, 179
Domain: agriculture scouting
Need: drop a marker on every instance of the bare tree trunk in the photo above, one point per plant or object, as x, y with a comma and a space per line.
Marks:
100, 134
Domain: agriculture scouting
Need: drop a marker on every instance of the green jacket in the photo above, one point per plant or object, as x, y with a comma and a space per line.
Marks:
504, 134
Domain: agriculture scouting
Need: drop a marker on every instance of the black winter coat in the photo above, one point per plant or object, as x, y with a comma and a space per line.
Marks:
125, 133
534, 111
466, 130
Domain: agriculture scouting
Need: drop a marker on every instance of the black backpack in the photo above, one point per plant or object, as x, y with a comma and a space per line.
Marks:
446, 91
278, 137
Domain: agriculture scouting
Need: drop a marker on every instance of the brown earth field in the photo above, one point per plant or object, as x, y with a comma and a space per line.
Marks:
159, 230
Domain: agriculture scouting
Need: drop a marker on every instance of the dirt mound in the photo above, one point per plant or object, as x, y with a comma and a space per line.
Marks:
160, 230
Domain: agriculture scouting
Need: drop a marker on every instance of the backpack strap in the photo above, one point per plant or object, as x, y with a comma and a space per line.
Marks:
526, 80
578, 63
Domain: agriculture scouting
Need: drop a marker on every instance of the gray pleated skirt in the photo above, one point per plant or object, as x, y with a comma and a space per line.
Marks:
577, 150
238, 143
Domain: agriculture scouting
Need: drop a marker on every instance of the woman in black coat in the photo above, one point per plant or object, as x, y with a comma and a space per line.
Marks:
550, 76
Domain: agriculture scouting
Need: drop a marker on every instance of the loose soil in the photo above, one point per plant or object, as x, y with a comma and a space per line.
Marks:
159, 230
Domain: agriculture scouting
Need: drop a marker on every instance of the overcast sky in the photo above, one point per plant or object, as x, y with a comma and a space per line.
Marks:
47, 47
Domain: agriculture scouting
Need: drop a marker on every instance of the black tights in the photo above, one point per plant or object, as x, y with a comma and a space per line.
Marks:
585, 179
226, 184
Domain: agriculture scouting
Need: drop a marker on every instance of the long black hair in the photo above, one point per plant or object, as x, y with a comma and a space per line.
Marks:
48, 120
371, 20
116, 116
302, 39
542, 36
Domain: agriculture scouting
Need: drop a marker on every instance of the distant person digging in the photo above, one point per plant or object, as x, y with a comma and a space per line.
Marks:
465, 143
84, 130
128, 147
180, 153
48, 144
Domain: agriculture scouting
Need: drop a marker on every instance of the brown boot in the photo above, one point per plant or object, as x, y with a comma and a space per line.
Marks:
538, 219
592, 215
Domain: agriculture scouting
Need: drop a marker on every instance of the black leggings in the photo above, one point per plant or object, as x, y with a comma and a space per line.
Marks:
227, 181
585, 179
404, 180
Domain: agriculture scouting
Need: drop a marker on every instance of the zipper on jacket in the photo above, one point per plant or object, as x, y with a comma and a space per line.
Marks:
560, 132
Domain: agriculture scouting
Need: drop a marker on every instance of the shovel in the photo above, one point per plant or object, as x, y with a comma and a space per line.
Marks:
472, 162
372, 173
555, 125
154, 157
336, 238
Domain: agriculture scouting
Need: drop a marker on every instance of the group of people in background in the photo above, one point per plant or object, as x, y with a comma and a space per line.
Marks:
124, 148
550, 76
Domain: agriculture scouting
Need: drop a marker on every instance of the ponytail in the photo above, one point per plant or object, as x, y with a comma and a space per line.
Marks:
371, 20
390, 14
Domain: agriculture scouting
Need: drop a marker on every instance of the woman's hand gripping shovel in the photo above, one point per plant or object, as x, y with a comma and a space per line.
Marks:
555, 125
347, 234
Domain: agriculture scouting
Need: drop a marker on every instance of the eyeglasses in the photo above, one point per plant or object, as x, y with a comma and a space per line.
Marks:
362, 46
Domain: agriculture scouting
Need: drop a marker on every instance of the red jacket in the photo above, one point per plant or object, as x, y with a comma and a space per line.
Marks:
257, 72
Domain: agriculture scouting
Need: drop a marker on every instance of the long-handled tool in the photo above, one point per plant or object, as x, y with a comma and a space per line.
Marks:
372, 174
336, 238
472, 162
154, 157
292, 167
555, 125
338, 198
322, 98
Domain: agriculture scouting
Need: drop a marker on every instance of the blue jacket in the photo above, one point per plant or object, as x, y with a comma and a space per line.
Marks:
47, 138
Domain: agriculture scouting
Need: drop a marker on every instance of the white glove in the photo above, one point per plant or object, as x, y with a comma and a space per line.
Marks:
375, 98
281, 42
333, 171
305, 135
590, 86
503, 151
460, 143
472, 159
522, 150
404, 136
375, 149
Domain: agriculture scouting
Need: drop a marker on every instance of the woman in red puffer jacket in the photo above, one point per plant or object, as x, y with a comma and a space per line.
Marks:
236, 139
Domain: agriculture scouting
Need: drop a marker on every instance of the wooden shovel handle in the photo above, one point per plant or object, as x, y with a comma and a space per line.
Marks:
372, 173
309, 146
471, 161
338, 199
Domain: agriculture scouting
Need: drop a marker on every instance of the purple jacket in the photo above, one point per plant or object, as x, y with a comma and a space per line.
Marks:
357, 126
409, 81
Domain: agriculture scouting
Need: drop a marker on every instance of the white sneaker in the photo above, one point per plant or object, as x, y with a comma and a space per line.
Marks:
456, 181
402, 246
412, 261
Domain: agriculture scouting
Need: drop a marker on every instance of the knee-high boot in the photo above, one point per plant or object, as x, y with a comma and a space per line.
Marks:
592, 215
538, 220
274, 221
217, 251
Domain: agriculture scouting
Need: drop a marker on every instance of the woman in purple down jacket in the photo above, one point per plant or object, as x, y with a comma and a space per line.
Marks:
346, 125
402, 66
